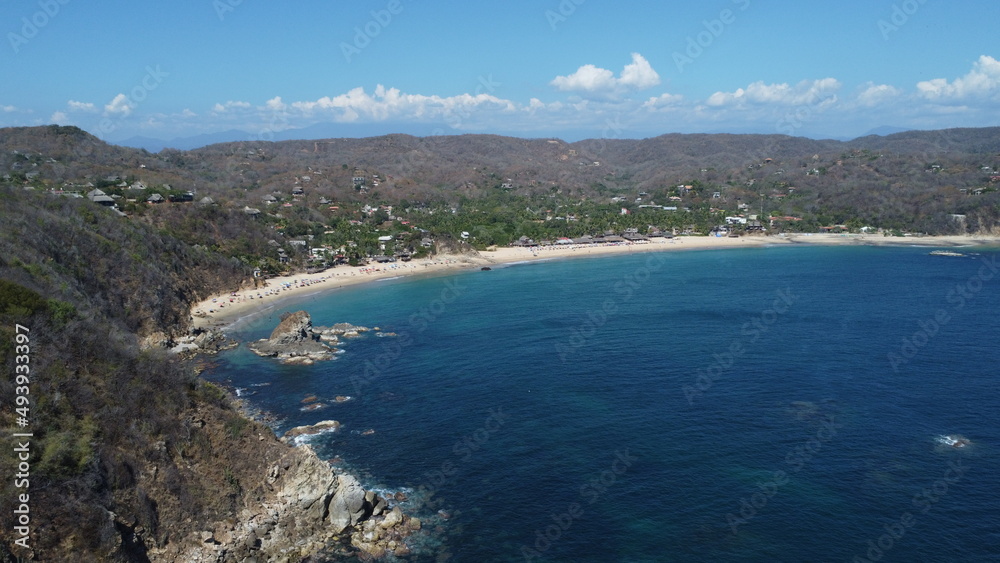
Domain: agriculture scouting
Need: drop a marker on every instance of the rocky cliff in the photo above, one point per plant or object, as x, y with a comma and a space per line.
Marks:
301, 508
297, 507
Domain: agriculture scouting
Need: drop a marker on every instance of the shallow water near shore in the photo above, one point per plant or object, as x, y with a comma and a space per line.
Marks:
771, 404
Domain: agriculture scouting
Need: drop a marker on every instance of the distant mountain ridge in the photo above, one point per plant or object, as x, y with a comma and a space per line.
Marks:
677, 148
886, 130
322, 131
444, 162
313, 132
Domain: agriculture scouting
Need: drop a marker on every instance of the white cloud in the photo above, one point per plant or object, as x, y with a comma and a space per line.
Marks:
120, 106
597, 97
663, 101
877, 94
275, 104
535, 105
640, 74
8, 109
589, 79
59, 118
74, 105
222, 108
386, 103
983, 81
803, 93
151, 123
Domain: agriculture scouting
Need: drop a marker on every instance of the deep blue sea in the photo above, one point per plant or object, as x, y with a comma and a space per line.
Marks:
774, 404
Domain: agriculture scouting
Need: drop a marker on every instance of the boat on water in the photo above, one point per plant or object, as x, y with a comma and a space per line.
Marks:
945, 253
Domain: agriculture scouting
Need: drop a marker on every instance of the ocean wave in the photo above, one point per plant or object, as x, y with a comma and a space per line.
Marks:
309, 438
953, 440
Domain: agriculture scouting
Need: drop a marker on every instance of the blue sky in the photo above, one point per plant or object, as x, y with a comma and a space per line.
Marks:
545, 68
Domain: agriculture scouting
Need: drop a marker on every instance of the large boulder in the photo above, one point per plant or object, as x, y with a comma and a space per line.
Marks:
293, 328
349, 505
212, 341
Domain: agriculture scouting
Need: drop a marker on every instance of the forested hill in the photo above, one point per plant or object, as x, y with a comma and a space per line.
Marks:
347, 193
447, 167
112, 454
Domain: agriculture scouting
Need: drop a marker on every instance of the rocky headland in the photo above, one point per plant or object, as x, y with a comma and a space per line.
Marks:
302, 508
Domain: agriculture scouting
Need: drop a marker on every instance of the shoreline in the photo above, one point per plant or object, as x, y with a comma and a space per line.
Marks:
225, 310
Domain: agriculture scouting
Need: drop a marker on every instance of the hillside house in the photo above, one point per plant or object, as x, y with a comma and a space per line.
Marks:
100, 198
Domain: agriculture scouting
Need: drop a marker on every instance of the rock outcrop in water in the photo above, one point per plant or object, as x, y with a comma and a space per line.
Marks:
310, 430
340, 330
294, 341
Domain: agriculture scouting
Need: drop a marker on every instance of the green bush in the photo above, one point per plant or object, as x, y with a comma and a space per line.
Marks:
235, 426
68, 452
19, 301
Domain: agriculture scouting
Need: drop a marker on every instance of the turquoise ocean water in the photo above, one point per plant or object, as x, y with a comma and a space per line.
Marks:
775, 404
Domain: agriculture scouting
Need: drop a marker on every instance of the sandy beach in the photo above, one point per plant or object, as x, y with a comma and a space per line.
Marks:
226, 309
